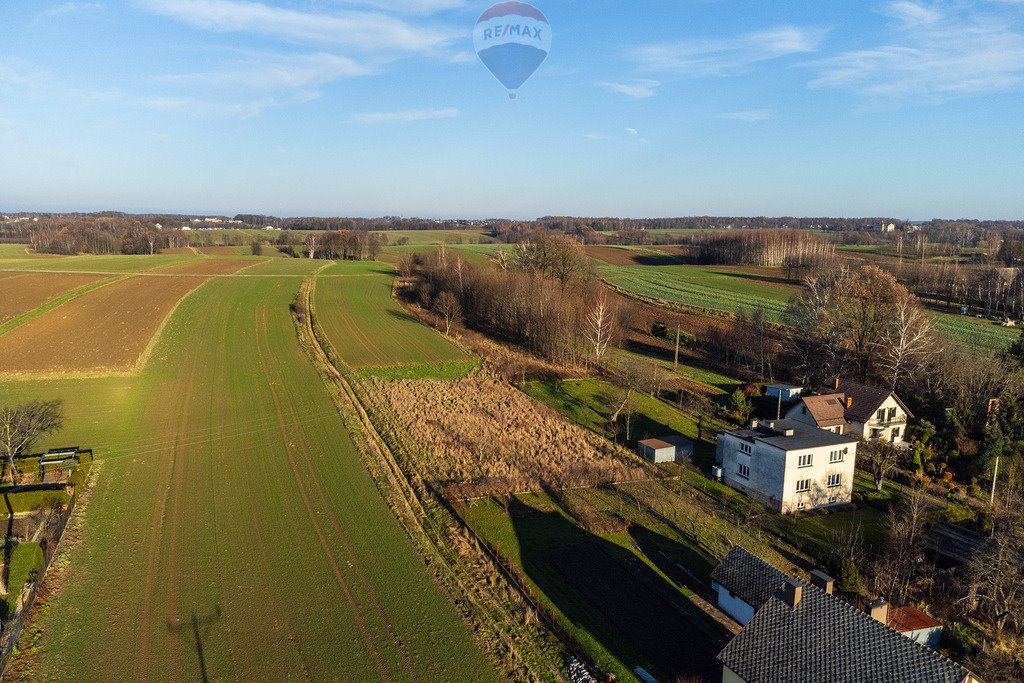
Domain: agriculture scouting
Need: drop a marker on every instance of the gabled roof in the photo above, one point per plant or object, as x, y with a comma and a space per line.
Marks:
801, 435
908, 618
828, 410
826, 640
748, 577
866, 399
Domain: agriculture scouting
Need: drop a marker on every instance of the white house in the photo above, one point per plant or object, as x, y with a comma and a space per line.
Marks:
787, 392
743, 582
666, 449
789, 465
867, 412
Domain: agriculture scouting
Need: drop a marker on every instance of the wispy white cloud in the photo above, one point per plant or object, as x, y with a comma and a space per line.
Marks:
727, 56
270, 72
67, 8
360, 30
408, 116
750, 116
632, 131
408, 6
938, 51
638, 88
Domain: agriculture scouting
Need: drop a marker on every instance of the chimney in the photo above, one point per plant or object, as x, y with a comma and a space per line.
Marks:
849, 402
878, 610
823, 581
794, 593
835, 383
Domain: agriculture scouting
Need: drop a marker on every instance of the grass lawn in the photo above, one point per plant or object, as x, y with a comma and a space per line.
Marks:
369, 329
229, 495
136, 263
428, 237
26, 562
983, 335
715, 288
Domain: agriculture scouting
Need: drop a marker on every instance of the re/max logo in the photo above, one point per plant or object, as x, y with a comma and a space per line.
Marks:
512, 30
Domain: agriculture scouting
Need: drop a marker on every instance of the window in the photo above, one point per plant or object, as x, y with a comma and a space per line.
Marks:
803, 486
745, 448
892, 414
832, 499
806, 460
881, 415
895, 433
835, 480
876, 433
743, 471
801, 506
836, 456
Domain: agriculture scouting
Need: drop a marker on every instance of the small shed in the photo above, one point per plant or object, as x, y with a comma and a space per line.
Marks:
788, 392
673, 448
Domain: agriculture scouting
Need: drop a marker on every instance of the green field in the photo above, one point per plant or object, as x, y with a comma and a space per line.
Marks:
983, 335
704, 287
98, 264
233, 531
424, 237
369, 329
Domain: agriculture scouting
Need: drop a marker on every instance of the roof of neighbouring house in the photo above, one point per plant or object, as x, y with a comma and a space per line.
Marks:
825, 639
866, 399
908, 619
802, 436
748, 577
828, 410
953, 542
673, 441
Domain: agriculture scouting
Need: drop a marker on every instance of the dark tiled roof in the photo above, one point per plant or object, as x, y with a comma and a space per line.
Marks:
825, 640
748, 577
804, 435
827, 411
866, 399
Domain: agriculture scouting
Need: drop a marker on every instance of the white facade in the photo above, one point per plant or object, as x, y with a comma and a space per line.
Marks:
732, 605
798, 468
786, 391
888, 423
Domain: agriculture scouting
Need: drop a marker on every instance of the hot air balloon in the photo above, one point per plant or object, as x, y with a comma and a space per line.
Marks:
512, 39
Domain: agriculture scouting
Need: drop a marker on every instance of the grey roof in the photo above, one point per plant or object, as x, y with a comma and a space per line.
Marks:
804, 435
825, 640
748, 577
673, 441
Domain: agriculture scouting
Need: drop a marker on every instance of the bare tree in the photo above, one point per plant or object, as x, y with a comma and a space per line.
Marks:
907, 342
897, 564
879, 458
311, 242
448, 307
599, 328
21, 425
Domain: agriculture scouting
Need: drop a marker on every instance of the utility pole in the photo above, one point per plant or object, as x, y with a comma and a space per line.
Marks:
677, 346
778, 412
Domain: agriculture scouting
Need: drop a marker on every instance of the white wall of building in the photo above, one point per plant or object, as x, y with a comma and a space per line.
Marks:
733, 606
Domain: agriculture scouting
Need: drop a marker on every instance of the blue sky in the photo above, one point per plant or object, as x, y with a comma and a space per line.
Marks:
905, 108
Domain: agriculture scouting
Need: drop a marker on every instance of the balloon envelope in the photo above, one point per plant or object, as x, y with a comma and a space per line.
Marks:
512, 39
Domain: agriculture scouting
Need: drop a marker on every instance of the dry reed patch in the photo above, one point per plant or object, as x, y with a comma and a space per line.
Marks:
479, 437
103, 331
211, 266
23, 292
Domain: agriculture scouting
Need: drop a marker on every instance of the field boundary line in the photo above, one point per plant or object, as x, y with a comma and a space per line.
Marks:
55, 303
407, 506
143, 359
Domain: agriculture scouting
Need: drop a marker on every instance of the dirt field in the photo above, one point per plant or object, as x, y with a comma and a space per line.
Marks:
22, 292
179, 250
220, 251
104, 330
210, 266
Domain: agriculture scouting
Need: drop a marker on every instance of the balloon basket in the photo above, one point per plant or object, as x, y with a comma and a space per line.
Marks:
512, 95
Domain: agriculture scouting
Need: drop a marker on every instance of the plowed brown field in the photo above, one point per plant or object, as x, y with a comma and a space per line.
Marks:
219, 251
211, 266
103, 331
22, 292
